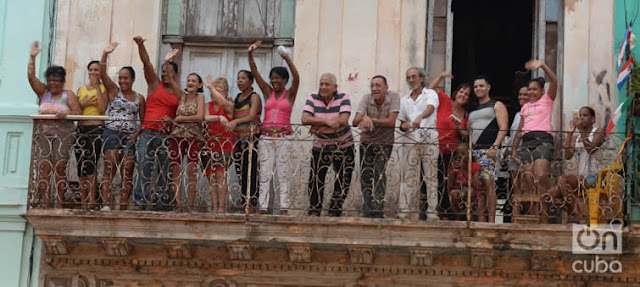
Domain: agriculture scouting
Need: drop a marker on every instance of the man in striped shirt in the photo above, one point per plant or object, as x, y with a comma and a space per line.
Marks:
327, 112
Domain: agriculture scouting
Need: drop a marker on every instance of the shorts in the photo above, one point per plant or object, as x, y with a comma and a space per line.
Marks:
179, 147
117, 140
536, 145
88, 148
591, 180
488, 167
213, 161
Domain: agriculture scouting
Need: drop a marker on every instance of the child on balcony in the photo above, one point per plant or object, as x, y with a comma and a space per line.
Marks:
459, 184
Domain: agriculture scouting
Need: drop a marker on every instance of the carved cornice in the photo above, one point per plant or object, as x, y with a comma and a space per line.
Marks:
239, 250
55, 245
482, 258
116, 246
178, 249
361, 254
299, 252
421, 256
68, 263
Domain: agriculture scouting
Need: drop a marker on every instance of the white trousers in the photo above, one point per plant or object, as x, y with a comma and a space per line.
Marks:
278, 152
416, 155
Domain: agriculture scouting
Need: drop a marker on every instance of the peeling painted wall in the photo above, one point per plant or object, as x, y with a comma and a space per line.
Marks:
84, 28
356, 40
589, 69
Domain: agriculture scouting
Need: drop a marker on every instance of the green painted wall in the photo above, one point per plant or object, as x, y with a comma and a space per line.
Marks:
21, 23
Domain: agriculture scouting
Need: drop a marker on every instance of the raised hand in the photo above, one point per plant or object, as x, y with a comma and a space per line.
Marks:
254, 46
139, 40
171, 55
209, 82
447, 75
533, 64
112, 46
35, 49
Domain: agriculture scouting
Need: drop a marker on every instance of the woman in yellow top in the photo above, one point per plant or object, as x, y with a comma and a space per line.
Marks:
93, 101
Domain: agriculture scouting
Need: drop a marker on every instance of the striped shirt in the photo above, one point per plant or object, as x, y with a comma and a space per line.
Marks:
241, 110
340, 104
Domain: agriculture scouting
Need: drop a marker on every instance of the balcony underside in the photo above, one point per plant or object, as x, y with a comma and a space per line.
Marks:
127, 247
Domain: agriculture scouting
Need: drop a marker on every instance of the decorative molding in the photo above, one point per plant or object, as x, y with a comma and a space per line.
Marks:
116, 246
421, 256
179, 249
55, 245
361, 254
482, 258
239, 250
299, 252
65, 263
543, 260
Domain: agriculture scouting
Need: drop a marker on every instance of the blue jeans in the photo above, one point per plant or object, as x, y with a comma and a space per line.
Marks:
153, 168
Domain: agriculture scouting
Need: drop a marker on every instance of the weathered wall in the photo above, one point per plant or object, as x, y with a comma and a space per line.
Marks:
84, 28
589, 66
356, 40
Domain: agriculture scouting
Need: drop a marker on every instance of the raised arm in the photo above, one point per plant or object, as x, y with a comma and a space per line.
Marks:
436, 81
109, 85
295, 82
553, 79
170, 73
264, 86
217, 97
38, 87
149, 73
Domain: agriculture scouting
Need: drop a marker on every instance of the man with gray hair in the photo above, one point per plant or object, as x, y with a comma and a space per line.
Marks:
418, 113
328, 112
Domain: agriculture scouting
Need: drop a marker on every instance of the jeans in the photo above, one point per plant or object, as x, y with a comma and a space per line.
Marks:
153, 168
343, 162
373, 160
244, 156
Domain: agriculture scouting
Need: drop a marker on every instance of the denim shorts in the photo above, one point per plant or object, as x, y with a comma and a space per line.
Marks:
117, 140
536, 145
591, 180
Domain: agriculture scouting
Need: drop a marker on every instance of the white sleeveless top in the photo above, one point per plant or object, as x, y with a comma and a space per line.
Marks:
588, 163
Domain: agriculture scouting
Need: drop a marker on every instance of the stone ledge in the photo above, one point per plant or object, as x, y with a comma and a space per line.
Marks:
311, 230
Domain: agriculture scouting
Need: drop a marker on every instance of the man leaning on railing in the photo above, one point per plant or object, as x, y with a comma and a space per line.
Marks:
376, 118
328, 114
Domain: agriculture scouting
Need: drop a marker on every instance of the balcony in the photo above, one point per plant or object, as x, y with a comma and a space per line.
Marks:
102, 233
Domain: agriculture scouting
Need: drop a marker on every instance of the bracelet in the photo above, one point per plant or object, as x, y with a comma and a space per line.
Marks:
218, 117
102, 64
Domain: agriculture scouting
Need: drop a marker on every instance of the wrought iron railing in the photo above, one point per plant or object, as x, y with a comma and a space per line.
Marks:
287, 173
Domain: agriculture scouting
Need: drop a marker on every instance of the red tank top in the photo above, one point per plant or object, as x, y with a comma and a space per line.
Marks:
159, 104
218, 138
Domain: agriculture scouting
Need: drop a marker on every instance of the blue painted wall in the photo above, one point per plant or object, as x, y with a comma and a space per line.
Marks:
21, 23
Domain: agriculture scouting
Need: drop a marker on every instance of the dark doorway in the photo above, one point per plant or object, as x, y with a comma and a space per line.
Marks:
493, 38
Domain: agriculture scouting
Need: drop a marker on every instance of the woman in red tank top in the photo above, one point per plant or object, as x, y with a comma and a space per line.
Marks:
217, 153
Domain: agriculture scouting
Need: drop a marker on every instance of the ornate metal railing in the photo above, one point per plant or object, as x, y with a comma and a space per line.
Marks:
283, 173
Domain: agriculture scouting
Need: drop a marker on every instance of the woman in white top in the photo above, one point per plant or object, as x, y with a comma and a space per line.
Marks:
585, 145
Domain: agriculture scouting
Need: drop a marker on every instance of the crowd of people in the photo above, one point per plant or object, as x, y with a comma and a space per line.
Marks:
452, 146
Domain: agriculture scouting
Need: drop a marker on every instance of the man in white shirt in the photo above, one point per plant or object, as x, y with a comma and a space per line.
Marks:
418, 120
